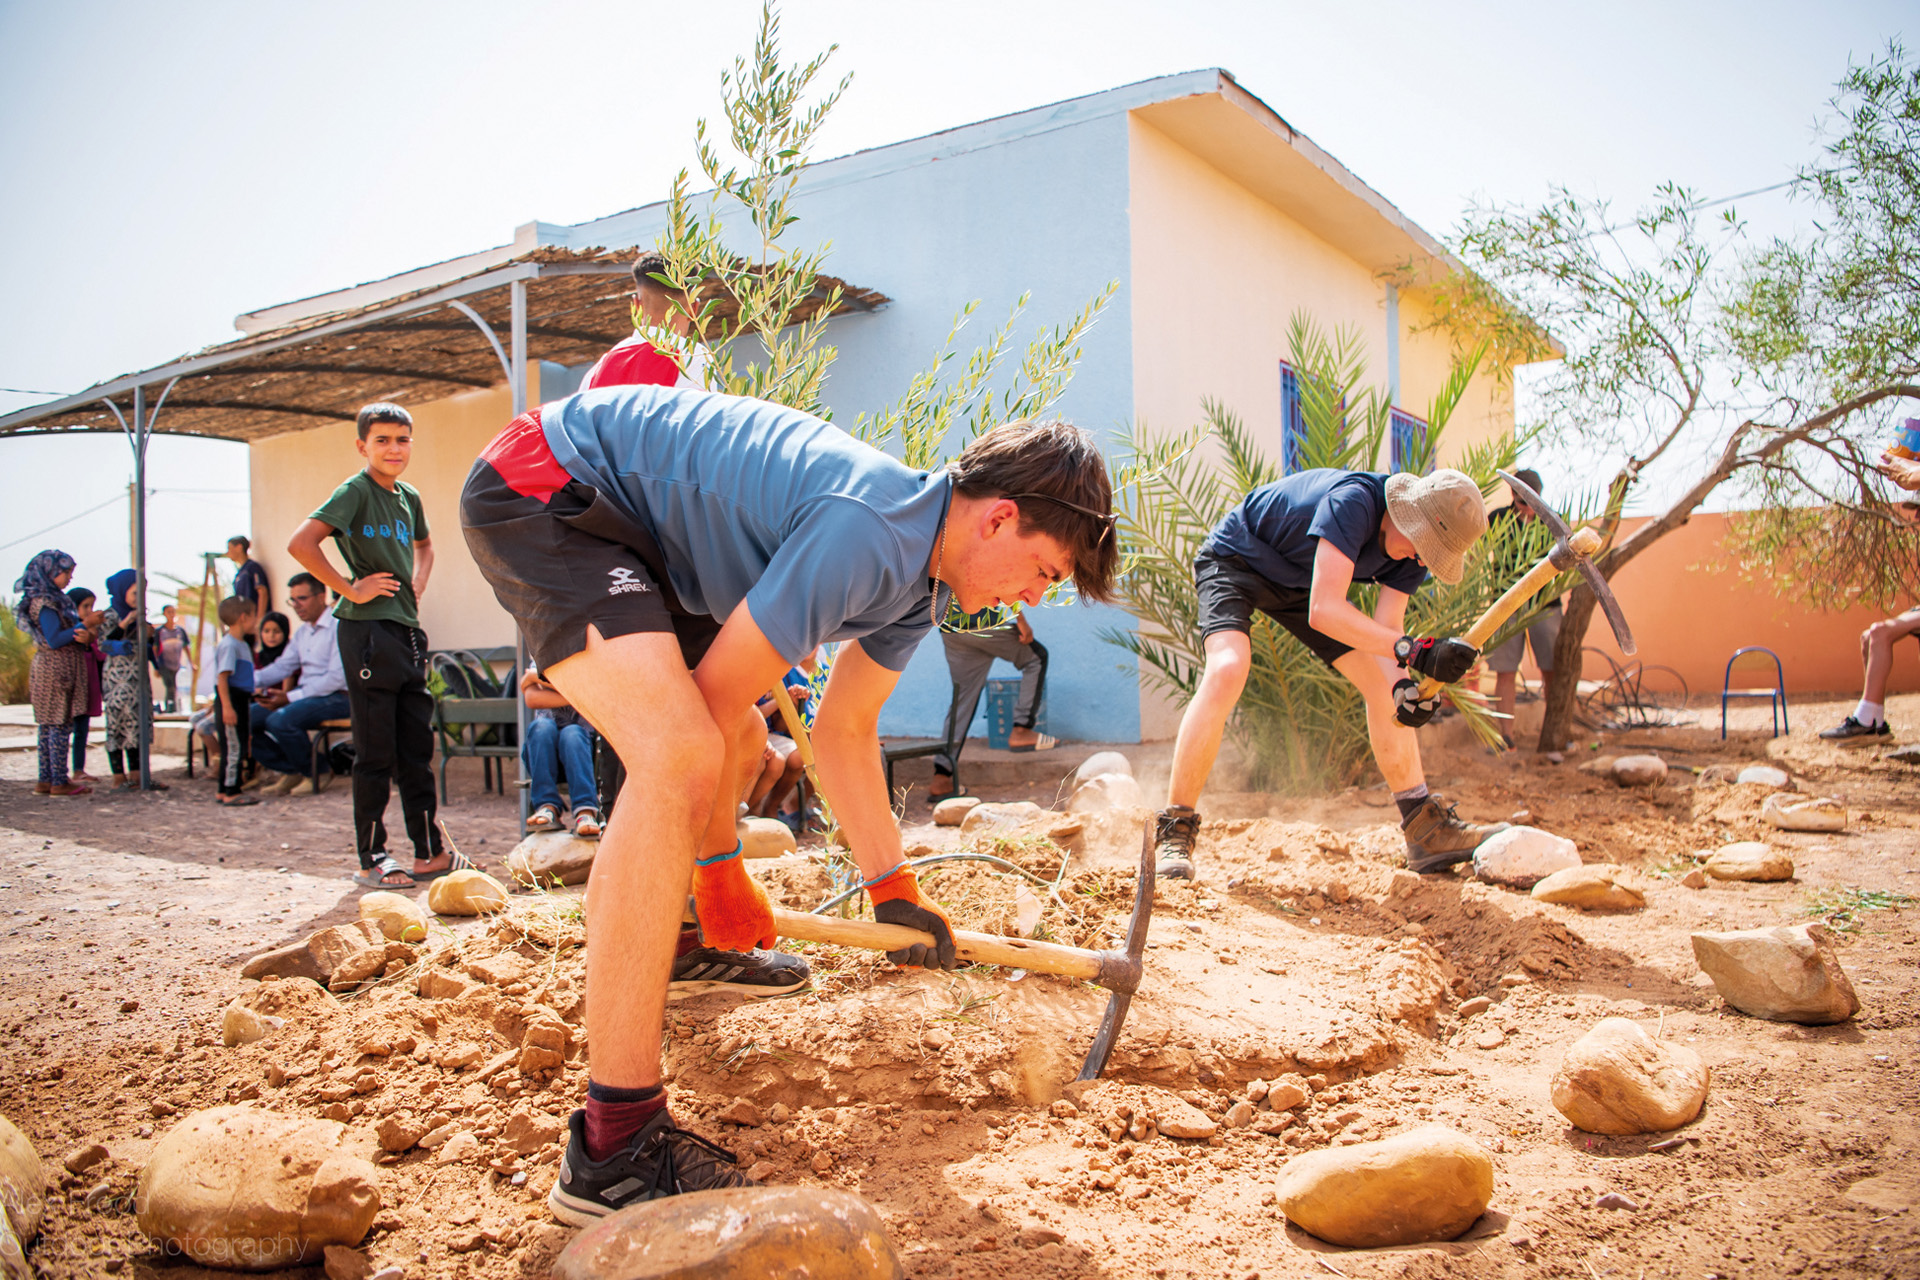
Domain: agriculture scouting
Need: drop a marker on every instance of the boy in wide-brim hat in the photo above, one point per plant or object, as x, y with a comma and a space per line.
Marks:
1290, 550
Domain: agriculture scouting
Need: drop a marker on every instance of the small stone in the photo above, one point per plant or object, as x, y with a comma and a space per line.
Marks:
526, 1133
389, 1273
1619, 1079
821, 1162
766, 838
1596, 887
1427, 1184
1764, 775
466, 893
84, 1157
1639, 771
741, 1112
779, 1113
1257, 1090
1614, 1200
1818, 813
1034, 1237
937, 1037
437, 1137
398, 917
1106, 793
1523, 856
438, 984
1749, 860
1239, 1115
1479, 1004
986, 819
953, 811
129, 1006
1178, 1119
1284, 1095
1489, 1038
1063, 1109
399, 1133
1789, 973
761, 1170
347, 1264
1102, 762
548, 858
819, 1232
461, 1146
241, 1025
1694, 879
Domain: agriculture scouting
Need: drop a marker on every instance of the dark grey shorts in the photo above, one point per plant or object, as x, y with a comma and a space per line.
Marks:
1231, 593
572, 561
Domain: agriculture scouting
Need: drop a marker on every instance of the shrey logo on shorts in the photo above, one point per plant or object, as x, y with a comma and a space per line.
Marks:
623, 580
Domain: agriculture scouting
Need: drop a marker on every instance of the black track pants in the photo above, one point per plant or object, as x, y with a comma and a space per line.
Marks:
386, 668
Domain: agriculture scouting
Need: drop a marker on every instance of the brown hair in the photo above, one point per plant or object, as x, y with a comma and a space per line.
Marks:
381, 411
234, 608
1054, 473
648, 269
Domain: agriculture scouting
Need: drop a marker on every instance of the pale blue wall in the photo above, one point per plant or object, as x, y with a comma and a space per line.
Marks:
1040, 210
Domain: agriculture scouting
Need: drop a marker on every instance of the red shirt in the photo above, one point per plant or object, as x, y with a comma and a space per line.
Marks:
635, 362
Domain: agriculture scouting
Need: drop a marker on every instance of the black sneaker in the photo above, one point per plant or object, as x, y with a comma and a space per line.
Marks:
1175, 828
1852, 731
1437, 839
757, 974
662, 1160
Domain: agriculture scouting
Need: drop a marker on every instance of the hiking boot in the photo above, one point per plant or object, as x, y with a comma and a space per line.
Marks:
1852, 732
1437, 839
756, 974
1175, 828
662, 1160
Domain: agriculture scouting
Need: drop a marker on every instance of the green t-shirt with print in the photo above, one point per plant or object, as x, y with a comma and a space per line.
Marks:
375, 530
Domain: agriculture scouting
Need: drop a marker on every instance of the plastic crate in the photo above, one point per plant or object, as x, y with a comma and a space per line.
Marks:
1003, 695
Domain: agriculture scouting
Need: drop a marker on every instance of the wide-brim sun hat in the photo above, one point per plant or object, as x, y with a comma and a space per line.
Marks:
1442, 514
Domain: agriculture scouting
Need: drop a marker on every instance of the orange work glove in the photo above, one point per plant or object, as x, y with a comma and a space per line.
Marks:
732, 908
896, 900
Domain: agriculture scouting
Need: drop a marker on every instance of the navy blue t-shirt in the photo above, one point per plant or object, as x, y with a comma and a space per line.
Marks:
1277, 528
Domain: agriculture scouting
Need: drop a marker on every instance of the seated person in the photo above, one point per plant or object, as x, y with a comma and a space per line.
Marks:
1868, 722
301, 689
558, 739
274, 632
780, 764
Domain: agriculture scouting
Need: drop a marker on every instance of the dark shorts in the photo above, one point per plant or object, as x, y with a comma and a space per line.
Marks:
1231, 592
560, 557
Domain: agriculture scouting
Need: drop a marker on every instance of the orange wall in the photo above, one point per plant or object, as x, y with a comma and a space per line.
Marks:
1690, 612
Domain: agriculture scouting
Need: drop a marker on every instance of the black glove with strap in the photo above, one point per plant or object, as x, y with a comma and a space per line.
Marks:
896, 900
1445, 659
1409, 708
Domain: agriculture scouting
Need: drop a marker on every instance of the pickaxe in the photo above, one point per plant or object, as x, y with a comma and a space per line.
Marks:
1571, 550
1117, 971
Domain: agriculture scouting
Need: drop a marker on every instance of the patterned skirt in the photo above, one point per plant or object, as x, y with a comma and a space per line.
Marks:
57, 684
120, 683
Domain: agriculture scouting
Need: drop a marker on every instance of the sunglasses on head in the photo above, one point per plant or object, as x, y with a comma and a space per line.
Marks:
1106, 519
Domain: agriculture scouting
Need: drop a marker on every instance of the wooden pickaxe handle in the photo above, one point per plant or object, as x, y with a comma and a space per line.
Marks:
1583, 543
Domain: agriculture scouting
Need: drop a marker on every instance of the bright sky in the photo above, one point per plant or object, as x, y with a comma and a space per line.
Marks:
171, 166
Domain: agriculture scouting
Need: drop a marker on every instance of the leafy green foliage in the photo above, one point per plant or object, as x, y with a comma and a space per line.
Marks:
1302, 722
16, 656
1845, 908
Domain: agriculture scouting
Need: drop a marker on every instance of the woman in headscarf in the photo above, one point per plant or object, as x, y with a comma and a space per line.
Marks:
272, 640
57, 681
83, 599
124, 678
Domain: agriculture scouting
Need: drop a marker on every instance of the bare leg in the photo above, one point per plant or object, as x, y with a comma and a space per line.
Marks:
1395, 748
1505, 694
1229, 658
638, 692
1876, 651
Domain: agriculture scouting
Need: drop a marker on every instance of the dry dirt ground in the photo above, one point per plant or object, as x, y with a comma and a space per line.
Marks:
1303, 953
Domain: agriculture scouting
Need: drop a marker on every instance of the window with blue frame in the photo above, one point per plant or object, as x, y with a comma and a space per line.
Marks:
1408, 437
1293, 424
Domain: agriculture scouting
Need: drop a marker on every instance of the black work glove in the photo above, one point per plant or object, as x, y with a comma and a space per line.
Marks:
1445, 659
896, 900
1409, 708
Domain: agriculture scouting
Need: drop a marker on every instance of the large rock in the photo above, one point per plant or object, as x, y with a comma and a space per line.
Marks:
1106, 792
766, 838
1765, 775
1099, 763
1597, 887
1817, 813
985, 819
1427, 1184
250, 1190
1788, 973
746, 1232
1749, 860
1619, 1079
1178, 1118
324, 954
549, 858
953, 811
23, 1199
398, 917
1523, 856
466, 893
1639, 771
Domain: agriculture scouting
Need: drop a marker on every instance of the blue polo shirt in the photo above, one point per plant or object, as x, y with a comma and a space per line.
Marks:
1277, 529
823, 537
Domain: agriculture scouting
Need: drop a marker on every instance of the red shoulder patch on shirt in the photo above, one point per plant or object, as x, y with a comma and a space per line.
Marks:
522, 457
633, 363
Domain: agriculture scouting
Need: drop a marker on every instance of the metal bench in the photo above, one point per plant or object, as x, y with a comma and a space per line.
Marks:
460, 722
323, 734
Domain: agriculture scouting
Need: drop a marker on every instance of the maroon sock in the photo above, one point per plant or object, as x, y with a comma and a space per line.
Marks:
689, 941
615, 1115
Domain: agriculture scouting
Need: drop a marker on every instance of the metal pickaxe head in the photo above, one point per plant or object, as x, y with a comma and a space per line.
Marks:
1120, 970
1571, 551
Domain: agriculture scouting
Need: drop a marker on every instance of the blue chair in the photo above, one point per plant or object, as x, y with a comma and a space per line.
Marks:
1776, 696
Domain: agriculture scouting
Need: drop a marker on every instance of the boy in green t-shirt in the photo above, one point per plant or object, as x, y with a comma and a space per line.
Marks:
380, 528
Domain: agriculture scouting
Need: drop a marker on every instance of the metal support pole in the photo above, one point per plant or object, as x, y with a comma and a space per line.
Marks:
517, 373
142, 428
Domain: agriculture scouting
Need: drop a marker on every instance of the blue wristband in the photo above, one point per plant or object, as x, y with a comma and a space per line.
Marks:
889, 872
719, 857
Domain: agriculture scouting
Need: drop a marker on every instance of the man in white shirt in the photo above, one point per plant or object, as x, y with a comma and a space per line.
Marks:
280, 741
